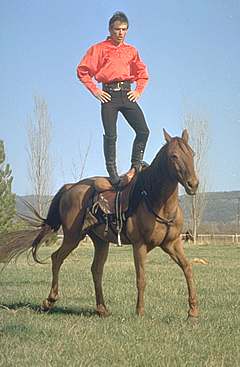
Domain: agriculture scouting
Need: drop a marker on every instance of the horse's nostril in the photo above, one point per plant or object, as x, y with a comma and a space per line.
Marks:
193, 184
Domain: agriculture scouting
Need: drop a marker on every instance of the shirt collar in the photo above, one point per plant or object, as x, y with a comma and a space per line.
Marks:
109, 39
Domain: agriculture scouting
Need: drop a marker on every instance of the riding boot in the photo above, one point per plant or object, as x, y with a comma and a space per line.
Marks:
138, 149
109, 146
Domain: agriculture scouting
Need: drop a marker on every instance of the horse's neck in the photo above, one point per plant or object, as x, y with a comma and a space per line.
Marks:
161, 189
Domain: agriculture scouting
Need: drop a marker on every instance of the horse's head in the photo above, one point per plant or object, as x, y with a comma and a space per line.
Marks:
180, 161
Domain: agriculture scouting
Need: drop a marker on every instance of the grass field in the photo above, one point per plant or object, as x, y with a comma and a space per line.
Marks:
73, 335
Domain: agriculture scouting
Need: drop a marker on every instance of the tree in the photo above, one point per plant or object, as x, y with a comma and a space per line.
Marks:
199, 141
40, 165
79, 167
7, 198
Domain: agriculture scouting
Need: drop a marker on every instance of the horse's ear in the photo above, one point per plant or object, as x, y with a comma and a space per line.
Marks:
185, 136
166, 136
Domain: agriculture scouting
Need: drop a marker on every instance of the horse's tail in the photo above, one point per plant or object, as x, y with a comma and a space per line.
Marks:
15, 243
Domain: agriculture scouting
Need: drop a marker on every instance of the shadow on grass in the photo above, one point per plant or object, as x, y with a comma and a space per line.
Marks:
22, 282
15, 307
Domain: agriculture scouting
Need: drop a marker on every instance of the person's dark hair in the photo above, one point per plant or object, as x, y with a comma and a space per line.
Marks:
119, 15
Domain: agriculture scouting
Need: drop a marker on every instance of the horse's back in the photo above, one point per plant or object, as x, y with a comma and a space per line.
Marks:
76, 193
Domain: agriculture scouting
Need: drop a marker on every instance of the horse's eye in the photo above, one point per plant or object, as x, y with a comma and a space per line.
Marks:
174, 157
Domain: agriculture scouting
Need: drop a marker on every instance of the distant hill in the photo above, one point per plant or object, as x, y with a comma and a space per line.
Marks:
21, 206
221, 207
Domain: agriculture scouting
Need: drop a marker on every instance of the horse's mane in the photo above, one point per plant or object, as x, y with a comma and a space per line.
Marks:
148, 178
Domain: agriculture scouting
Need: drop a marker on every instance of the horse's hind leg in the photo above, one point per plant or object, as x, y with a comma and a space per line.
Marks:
175, 250
58, 257
100, 256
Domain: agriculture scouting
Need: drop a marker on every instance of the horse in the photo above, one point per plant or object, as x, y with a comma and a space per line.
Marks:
155, 220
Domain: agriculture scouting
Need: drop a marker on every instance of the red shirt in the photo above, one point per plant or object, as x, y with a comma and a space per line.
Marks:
107, 63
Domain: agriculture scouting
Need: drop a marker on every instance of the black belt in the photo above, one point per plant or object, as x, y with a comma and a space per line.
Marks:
117, 86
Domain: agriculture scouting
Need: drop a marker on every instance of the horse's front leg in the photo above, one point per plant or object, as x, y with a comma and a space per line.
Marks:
100, 257
140, 252
176, 251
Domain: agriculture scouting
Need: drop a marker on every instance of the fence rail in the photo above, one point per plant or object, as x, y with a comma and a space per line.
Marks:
204, 239
213, 238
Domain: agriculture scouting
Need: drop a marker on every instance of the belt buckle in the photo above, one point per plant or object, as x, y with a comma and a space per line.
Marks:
118, 88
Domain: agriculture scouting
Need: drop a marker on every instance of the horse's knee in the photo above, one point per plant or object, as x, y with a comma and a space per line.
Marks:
141, 284
187, 267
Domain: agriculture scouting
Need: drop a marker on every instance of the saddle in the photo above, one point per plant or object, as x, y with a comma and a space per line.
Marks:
109, 206
103, 184
110, 201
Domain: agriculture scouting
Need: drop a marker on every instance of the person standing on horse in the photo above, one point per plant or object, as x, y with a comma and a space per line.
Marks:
117, 65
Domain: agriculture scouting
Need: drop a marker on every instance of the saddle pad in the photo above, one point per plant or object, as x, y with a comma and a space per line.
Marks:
107, 199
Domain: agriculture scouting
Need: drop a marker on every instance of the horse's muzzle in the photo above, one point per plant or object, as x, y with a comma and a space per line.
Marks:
191, 186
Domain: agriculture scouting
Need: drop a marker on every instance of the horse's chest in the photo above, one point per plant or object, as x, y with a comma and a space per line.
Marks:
160, 234
156, 233
146, 228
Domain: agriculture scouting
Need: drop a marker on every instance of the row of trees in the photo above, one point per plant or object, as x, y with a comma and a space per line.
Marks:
40, 164
40, 167
199, 140
7, 198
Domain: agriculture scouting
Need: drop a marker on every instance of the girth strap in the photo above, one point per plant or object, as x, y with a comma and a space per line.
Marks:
159, 219
119, 220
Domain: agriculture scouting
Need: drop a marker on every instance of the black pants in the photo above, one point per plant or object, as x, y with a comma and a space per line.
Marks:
130, 110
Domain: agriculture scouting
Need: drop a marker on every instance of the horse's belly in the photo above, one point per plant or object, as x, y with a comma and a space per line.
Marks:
110, 235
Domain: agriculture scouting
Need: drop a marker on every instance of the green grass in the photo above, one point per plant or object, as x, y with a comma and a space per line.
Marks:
73, 335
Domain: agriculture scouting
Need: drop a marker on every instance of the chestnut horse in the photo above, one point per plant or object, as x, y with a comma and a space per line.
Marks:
156, 220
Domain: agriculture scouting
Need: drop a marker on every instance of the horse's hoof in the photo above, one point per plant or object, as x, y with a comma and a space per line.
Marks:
140, 312
46, 305
192, 319
102, 311
193, 313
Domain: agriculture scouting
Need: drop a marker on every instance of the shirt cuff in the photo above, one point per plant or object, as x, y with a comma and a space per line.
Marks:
140, 85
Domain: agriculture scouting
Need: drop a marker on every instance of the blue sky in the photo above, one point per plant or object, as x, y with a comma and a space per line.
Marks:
192, 51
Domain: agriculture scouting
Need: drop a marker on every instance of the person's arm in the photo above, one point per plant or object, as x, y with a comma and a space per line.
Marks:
88, 68
139, 70
86, 71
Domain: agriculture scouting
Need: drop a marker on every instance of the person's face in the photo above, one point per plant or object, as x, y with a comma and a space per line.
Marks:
118, 32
